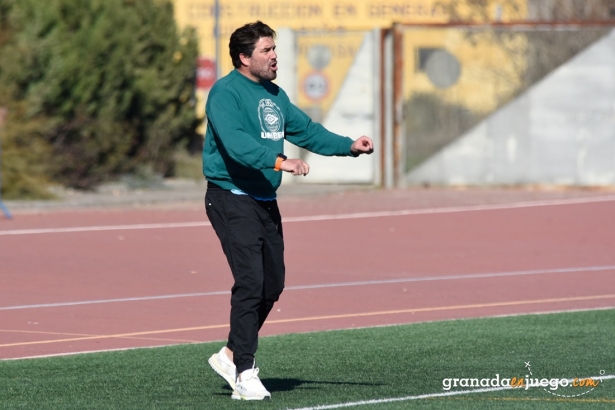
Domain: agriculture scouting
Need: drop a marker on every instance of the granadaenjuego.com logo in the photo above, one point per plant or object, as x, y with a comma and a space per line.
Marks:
576, 386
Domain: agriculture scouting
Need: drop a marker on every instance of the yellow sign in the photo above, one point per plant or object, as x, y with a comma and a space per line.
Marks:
323, 61
321, 15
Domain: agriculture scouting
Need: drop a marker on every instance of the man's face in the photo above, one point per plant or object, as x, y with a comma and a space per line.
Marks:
263, 64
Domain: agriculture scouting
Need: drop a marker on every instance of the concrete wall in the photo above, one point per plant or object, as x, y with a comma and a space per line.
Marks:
561, 131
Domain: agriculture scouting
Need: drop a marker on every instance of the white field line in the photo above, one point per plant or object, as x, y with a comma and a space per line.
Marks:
327, 217
427, 396
325, 285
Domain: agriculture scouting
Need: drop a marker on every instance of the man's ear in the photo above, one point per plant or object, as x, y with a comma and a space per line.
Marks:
245, 60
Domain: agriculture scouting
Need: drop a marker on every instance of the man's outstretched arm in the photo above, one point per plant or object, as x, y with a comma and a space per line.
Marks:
363, 145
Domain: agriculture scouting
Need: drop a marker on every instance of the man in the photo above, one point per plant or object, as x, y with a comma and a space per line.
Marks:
248, 118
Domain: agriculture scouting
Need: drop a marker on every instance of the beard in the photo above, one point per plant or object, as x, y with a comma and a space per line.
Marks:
263, 72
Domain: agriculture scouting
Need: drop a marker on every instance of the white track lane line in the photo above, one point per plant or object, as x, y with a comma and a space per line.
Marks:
426, 396
121, 349
329, 217
105, 228
326, 285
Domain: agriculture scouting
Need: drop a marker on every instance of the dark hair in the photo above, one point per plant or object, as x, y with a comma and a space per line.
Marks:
244, 39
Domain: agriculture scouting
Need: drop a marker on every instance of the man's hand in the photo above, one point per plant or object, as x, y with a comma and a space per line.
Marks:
295, 167
363, 145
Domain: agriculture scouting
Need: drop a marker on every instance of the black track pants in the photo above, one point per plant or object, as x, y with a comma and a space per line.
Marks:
250, 232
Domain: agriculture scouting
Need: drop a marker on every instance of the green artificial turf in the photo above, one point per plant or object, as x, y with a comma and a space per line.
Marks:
337, 367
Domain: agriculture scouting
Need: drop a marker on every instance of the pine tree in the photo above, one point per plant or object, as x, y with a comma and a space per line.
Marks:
101, 87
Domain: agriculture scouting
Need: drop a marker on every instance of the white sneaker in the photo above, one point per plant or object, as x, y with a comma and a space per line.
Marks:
224, 367
250, 387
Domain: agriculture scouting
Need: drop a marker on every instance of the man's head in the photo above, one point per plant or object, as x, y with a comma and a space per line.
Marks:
252, 50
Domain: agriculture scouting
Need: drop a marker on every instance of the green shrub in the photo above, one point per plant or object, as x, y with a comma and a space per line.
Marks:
103, 87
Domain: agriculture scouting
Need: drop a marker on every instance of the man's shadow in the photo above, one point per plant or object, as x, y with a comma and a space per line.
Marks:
280, 385
285, 385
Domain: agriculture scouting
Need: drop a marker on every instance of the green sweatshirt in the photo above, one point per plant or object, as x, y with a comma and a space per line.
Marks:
246, 126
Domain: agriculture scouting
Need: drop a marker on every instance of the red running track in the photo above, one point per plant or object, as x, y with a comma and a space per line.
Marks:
90, 280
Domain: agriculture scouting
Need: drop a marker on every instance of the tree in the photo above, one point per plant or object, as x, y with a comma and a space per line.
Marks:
103, 86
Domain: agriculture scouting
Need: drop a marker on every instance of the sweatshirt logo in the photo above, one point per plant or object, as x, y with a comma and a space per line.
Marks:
271, 120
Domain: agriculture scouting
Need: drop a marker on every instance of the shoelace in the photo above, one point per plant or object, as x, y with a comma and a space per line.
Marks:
254, 375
